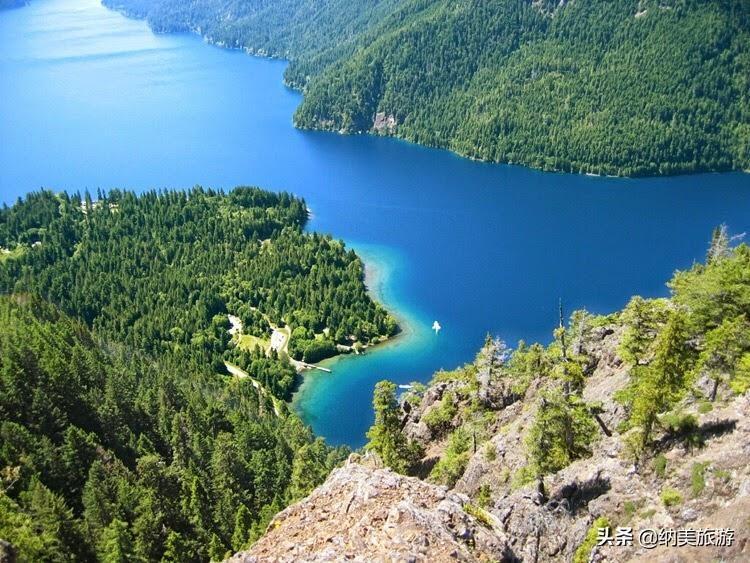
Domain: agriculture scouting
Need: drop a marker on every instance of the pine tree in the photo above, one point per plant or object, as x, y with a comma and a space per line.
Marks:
386, 438
720, 244
562, 432
243, 521
116, 543
178, 550
642, 320
722, 350
309, 469
217, 551
199, 508
51, 514
658, 386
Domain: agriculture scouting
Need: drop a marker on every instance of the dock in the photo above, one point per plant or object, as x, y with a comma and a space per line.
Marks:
312, 366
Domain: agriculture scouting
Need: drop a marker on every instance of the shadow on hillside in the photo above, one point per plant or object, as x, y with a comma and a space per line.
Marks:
576, 495
695, 436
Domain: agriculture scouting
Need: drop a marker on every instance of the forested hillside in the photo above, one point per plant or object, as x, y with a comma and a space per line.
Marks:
108, 454
122, 436
311, 33
638, 87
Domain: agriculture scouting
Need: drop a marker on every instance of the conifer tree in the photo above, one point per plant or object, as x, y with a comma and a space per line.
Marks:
657, 387
562, 432
722, 350
386, 438
116, 543
242, 524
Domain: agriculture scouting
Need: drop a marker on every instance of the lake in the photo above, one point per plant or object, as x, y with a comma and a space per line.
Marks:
91, 99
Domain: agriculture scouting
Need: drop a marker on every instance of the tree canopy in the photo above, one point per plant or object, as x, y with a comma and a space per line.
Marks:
122, 437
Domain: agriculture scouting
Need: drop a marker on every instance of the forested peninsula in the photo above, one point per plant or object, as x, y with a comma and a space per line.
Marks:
626, 88
122, 433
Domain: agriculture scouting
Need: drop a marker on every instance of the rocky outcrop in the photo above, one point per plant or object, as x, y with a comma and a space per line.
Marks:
383, 123
366, 513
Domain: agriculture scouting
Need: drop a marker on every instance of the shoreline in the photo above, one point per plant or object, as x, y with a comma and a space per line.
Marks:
583, 169
378, 269
378, 272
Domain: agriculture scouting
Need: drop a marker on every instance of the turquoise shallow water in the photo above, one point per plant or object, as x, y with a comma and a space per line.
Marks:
91, 99
326, 399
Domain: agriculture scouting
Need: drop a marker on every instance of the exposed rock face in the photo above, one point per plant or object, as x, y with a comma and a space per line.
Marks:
365, 513
7, 552
383, 123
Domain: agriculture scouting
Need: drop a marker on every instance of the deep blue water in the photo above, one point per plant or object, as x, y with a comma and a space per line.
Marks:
91, 99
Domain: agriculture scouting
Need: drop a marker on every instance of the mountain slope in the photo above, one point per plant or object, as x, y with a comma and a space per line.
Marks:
109, 454
362, 513
378, 515
637, 420
638, 87
626, 88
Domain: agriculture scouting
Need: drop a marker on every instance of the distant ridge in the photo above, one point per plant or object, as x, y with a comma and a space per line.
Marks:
625, 88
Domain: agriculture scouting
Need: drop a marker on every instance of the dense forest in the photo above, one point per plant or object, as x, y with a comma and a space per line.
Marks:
121, 434
162, 271
625, 88
108, 454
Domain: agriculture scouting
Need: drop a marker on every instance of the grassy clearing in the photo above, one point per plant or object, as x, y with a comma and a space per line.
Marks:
248, 342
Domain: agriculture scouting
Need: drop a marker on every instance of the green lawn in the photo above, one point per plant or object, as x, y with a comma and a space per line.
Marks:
248, 342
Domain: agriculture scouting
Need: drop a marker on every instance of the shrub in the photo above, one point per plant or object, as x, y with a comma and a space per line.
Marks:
562, 432
679, 423
698, 478
438, 419
523, 476
670, 497
648, 513
723, 475
660, 466
484, 496
705, 407
453, 463
526, 364
683, 427
414, 395
583, 552
632, 444
466, 374
631, 507
479, 513
741, 380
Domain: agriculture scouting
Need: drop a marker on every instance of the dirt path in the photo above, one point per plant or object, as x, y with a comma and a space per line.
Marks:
242, 374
